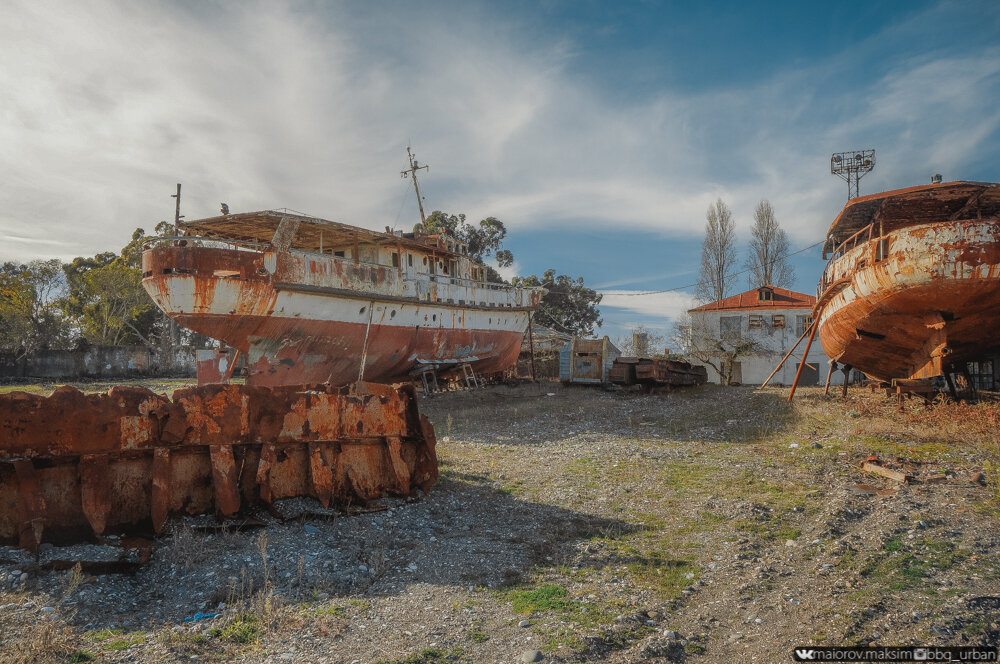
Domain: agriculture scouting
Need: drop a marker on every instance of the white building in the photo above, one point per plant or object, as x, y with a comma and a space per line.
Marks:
753, 331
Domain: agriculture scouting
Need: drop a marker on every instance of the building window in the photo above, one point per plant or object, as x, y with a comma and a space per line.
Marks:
765, 294
339, 254
395, 259
777, 320
802, 324
756, 321
409, 259
729, 327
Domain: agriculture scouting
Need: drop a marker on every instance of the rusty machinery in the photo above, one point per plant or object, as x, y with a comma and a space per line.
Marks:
74, 465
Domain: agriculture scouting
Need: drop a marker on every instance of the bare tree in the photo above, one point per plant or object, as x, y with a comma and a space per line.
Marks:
702, 338
718, 253
767, 259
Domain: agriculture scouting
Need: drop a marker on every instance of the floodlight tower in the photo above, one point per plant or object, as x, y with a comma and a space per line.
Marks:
852, 166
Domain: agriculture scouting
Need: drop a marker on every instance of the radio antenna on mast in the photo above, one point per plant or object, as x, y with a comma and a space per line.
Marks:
411, 172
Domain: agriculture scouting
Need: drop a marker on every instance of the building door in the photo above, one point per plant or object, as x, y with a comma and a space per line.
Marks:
737, 374
810, 374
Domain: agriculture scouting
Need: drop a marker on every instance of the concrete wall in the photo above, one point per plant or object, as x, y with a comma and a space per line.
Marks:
777, 339
103, 362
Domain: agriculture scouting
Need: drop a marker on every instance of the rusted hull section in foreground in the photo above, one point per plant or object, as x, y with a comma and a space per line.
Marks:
923, 294
74, 465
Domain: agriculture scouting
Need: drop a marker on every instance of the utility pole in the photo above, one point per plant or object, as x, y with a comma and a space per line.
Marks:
173, 329
177, 209
411, 172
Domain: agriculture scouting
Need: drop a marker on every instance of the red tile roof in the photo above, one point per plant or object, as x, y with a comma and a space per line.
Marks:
783, 299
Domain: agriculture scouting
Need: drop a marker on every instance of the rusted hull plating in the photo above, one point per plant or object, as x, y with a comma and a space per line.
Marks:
74, 464
933, 301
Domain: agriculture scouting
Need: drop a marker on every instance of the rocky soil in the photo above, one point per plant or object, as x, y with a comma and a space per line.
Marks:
571, 525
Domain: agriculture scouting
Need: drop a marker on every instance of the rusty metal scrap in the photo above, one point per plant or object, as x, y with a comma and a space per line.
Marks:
656, 371
74, 464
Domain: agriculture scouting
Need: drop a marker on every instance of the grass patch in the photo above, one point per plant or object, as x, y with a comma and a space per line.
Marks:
548, 597
129, 640
244, 628
477, 635
330, 610
906, 567
428, 656
80, 656
103, 634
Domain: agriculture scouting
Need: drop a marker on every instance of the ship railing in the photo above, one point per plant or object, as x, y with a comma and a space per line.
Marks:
863, 236
193, 241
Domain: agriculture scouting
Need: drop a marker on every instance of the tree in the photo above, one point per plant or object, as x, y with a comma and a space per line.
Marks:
715, 344
106, 298
568, 306
767, 259
31, 318
718, 254
643, 342
484, 241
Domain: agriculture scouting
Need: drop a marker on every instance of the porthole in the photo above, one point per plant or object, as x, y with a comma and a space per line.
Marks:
392, 314
434, 317
363, 309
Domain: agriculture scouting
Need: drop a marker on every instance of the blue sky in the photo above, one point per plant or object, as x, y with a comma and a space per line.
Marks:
599, 132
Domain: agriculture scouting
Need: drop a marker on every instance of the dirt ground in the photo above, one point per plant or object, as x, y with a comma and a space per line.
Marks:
576, 525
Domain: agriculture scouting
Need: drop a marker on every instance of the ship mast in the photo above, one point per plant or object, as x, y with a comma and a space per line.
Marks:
411, 172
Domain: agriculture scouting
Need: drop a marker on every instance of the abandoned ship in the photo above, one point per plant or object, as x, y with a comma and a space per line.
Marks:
912, 285
307, 300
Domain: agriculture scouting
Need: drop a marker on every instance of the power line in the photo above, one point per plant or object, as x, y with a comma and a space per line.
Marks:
677, 288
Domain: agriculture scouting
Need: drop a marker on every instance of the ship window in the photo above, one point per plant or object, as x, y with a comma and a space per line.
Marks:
395, 259
434, 317
362, 310
339, 253
882, 250
392, 314
756, 321
777, 320
409, 259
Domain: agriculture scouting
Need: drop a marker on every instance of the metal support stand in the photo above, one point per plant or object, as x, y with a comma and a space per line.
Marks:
428, 383
847, 374
469, 376
833, 366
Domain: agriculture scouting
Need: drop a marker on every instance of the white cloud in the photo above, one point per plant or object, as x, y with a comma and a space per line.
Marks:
262, 105
654, 306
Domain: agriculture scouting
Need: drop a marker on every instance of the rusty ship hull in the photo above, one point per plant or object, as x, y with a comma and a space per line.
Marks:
312, 317
915, 289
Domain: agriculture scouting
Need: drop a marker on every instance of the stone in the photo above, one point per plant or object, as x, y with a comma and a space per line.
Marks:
529, 656
524, 623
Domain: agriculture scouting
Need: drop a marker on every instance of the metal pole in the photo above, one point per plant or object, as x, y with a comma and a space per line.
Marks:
177, 209
805, 355
364, 347
531, 345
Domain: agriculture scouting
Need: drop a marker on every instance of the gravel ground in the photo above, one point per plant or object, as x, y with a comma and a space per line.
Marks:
569, 525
